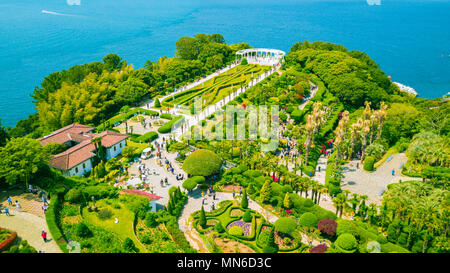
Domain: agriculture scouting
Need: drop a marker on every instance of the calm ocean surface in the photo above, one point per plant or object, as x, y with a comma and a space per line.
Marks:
409, 39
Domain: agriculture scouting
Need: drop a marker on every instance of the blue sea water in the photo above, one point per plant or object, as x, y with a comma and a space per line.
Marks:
410, 40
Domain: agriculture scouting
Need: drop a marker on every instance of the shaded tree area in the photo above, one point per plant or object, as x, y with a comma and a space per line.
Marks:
352, 76
93, 92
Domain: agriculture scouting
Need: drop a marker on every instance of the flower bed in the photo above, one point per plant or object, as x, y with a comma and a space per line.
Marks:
236, 212
7, 238
284, 242
246, 227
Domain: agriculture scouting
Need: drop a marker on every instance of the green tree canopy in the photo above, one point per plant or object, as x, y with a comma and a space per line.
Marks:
21, 158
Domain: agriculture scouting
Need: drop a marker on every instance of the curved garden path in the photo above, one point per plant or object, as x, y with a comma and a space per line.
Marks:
372, 184
29, 227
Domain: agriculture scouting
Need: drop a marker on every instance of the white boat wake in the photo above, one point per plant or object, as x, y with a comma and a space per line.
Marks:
57, 13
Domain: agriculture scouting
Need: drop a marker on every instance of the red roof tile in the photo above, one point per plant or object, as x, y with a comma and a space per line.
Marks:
82, 151
150, 196
76, 132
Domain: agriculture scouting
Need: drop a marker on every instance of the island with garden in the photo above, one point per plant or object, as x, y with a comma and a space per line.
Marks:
121, 160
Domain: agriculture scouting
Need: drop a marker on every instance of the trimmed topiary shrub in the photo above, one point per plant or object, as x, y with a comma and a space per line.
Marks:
244, 202
244, 62
247, 216
236, 231
157, 103
270, 246
346, 226
202, 219
369, 161
308, 220
192, 182
285, 225
73, 196
202, 162
219, 228
346, 243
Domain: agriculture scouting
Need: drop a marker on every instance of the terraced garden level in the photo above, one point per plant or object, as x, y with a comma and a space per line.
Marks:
218, 87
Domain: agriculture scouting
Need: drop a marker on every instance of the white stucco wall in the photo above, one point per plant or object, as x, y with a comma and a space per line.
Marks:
110, 153
81, 170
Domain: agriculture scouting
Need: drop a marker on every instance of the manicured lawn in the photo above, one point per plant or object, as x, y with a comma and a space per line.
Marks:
124, 227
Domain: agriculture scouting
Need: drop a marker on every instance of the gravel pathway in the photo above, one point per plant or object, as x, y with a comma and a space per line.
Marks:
29, 227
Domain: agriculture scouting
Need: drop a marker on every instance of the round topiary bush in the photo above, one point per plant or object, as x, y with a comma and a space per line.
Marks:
73, 196
346, 243
308, 220
244, 62
247, 216
219, 228
202, 162
285, 225
369, 161
346, 226
236, 231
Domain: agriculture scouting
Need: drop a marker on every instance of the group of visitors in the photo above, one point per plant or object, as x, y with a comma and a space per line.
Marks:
209, 192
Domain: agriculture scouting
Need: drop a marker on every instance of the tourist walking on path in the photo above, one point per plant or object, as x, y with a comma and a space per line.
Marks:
44, 236
10, 201
44, 200
7, 212
17, 206
44, 208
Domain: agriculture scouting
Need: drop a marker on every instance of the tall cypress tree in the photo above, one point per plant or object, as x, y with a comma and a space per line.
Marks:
271, 246
266, 192
244, 202
202, 220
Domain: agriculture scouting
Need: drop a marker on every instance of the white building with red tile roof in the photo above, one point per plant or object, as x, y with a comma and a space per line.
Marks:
78, 159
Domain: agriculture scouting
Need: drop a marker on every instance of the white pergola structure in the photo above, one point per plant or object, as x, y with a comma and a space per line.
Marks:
264, 56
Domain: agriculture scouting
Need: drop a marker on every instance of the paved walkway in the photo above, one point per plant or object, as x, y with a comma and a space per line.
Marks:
373, 183
29, 227
160, 173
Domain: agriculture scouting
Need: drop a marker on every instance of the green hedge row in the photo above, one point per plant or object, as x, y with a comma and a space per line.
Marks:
51, 216
166, 116
147, 137
166, 128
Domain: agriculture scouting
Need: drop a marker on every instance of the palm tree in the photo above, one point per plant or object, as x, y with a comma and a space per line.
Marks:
355, 135
354, 201
314, 121
339, 202
381, 116
322, 190
372, 212
341, 131
365, 132
362, 206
